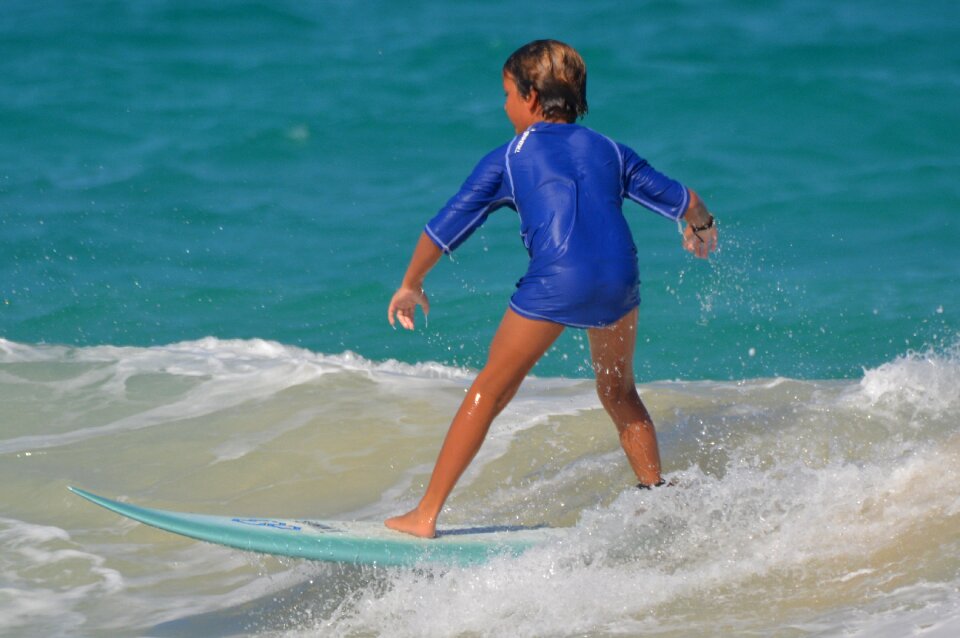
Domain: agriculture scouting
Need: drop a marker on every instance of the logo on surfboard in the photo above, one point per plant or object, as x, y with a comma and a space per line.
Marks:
268, 522
287, 525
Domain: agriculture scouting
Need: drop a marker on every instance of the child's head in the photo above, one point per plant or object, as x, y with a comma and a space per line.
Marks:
558, 75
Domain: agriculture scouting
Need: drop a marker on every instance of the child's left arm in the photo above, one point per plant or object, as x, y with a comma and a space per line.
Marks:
668, 197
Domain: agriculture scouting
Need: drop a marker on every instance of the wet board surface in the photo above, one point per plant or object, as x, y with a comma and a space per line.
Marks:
358, 542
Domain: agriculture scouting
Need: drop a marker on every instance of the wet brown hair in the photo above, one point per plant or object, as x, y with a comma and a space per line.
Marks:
556, 72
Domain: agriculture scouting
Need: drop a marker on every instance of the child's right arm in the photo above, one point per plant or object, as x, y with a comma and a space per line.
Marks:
404, 303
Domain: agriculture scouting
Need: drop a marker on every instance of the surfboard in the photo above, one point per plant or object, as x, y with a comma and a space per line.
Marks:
358, 542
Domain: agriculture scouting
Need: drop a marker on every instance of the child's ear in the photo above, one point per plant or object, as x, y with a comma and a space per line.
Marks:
532, 101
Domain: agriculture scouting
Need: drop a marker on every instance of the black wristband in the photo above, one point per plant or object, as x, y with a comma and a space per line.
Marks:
706, 226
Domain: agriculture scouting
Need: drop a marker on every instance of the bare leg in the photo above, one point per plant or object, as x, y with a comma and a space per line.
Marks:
516, 347
611, 349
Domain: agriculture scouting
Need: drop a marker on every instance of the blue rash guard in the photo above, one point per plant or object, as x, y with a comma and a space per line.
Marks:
568, 184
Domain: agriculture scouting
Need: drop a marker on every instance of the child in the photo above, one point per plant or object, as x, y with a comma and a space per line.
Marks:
568, 184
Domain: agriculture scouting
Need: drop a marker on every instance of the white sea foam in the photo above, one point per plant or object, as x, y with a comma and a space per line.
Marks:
210, 355
917, 385
801, 499
216, 577
756, 535
219, 375
777, 539
925, 610
44, 578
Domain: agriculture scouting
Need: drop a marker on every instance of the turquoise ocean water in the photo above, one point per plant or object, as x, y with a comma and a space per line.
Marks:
205, 207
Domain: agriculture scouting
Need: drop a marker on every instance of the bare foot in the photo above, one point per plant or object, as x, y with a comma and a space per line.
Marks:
413, 522
661, 483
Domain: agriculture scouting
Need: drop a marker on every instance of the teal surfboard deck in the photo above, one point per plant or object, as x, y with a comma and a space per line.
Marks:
360, 542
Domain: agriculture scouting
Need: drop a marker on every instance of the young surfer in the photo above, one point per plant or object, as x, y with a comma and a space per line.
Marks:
567, 183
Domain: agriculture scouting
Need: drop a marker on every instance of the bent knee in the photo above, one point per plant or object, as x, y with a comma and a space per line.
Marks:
615, 388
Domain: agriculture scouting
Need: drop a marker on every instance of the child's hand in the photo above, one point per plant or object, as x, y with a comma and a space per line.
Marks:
700, 243
403, 306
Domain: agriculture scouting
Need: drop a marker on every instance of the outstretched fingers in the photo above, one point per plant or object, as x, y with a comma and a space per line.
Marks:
403, 307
